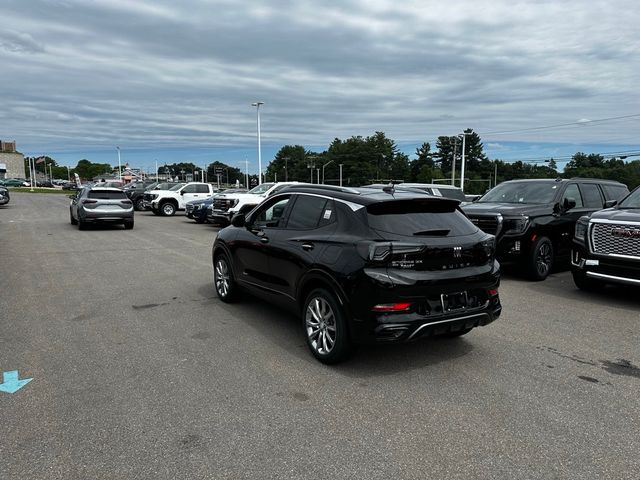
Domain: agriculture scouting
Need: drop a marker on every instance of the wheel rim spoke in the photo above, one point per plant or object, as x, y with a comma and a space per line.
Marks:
320, 325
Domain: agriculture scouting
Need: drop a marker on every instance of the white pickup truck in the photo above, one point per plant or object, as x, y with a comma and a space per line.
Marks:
167, 202
225, 206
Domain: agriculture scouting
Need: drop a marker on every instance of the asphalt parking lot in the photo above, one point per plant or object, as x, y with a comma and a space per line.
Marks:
140, 372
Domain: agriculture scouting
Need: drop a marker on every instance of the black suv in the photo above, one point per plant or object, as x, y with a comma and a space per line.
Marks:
607, 245
361, 265
534, 220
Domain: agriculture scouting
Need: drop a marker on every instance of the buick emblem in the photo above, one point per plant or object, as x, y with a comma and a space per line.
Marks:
625, 232
457, 252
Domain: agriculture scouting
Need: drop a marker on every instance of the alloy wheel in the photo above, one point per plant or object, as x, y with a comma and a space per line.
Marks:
223, 278
320, 323
543, 259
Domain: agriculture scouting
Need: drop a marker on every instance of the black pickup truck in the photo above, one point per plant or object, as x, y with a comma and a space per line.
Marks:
534, 220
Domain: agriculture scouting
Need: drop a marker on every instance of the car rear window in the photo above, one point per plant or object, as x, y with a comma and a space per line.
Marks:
107, 195
419, 217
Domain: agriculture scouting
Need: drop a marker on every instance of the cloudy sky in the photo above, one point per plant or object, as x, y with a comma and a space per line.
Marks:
174, 80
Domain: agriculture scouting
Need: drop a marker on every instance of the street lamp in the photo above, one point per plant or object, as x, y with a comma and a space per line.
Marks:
464, 138
331, 161
257, 105
119, 165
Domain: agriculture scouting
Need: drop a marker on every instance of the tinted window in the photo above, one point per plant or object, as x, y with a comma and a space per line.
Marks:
632, 201
271, 215
418, 218
573, 192
591, 195
107, 195
202, 189
307, 212
614, 192
189, 189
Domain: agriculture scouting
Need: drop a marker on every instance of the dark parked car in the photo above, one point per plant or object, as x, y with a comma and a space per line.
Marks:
361, 265
135, 191
100, 205
534, 220
4, 196
197, 209
606, 245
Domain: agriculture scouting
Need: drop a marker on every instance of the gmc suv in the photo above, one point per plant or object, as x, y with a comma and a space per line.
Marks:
606, 245
226, 205
534, 220
361, 265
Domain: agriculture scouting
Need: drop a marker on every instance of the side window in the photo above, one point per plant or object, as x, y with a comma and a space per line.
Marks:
614, 192
308, 211
189, 189
572, 191
591, 195
328, 214
202, 188
271, 215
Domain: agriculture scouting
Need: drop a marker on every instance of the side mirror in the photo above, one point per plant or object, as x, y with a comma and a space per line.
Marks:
610, 203
181, 192
568, 203
238, 220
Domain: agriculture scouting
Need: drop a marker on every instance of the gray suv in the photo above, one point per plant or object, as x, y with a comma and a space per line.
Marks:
100, 205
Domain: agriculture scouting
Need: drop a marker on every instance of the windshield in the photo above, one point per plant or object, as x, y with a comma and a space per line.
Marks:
260, 189
522, 192
632, 200
177, 187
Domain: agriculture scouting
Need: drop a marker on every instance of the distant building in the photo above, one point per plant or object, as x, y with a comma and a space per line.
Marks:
11, 161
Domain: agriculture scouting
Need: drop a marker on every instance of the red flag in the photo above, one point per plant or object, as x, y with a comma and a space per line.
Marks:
40, 159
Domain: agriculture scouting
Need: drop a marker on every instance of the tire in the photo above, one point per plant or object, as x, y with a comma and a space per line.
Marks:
167, 209
139, 205
325, 327
200, 220
72, 220
226, 287
585, 283
128, 224
540, 259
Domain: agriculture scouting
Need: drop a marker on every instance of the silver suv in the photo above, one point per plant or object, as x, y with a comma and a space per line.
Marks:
100, 205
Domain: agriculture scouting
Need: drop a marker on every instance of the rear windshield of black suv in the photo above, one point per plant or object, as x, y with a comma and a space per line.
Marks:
420, 219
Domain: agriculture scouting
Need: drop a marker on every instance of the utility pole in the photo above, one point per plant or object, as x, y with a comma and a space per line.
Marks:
453, 161
340, 165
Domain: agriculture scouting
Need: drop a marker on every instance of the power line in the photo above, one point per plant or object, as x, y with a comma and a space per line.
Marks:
584, 123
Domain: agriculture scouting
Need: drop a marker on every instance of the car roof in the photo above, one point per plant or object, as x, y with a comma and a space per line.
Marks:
364, 195
563, 180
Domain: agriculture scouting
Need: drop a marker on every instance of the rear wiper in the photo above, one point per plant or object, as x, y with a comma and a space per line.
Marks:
433, 233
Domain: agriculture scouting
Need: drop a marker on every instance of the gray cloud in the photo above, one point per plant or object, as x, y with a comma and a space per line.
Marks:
170, 73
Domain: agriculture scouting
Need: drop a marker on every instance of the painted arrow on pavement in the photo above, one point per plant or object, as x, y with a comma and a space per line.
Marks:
11, 383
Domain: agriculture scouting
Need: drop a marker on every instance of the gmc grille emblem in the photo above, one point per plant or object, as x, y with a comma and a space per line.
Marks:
625, 232
457, 252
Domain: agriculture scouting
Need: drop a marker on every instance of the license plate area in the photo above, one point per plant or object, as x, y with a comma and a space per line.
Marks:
453, 302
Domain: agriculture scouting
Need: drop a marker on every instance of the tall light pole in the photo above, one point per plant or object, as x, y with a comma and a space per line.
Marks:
119, 165
257, 105
246, 171
464, 138
331, 161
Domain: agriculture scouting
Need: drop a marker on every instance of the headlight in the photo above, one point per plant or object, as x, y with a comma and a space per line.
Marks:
581, 229
515, 224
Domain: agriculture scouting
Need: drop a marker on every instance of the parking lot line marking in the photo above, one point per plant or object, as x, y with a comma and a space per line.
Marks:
11, 383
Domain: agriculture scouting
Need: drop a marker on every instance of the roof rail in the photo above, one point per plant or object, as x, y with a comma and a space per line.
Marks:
331, 188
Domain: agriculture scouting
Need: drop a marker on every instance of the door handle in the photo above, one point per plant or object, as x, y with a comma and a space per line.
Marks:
307, 246
264, 239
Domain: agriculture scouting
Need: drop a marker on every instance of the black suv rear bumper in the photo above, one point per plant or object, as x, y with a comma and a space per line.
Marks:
428, 314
